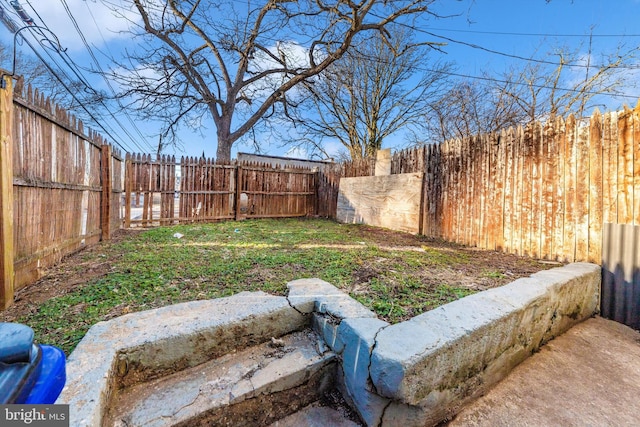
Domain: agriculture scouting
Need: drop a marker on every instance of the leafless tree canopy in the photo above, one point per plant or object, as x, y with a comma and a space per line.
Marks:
237, 61
373, 91
559, 83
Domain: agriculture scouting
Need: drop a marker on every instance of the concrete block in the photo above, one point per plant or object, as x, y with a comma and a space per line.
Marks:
445, 357
359, 337
144, 345
308, 295
327, 328
329, 306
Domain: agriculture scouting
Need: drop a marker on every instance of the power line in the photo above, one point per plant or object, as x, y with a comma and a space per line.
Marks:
522, 58
76, 71
44, 42
101, 71
497, 52
508, 33
496, 80
61, 81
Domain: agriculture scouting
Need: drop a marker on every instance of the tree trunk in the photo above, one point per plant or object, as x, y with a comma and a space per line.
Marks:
223, 153
225, 142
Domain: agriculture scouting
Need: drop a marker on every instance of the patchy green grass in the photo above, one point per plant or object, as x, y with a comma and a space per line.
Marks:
395, 274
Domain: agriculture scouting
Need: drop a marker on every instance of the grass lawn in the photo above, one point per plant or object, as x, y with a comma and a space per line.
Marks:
397, 275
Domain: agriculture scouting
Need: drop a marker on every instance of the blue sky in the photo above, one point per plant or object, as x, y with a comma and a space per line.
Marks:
524, 28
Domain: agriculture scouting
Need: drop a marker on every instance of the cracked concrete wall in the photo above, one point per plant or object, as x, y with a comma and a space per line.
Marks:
435, 363
148, 344
421, 371
414, 373
349, 329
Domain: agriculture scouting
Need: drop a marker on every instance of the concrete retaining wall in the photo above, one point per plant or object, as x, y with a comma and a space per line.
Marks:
421, 371
414, 373
140, 346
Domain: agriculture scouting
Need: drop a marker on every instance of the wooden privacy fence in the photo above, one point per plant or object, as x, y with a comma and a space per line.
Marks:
61, 187
210, 191
543, 191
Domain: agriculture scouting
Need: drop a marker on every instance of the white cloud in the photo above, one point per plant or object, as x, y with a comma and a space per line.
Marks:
333, 149
98, 23
294, 54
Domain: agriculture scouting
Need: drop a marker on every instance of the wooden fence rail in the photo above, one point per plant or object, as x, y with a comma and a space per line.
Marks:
211, 191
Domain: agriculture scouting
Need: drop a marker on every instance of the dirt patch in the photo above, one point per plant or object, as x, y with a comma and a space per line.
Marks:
74, 271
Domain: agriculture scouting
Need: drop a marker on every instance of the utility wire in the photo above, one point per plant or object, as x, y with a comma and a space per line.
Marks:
507, 33
74, 68
497, 52
101, 71
44, 42
61, 81
614, 94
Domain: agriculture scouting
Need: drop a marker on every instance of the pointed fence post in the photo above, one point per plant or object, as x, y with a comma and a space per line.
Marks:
105, 208
128, 185
6, 195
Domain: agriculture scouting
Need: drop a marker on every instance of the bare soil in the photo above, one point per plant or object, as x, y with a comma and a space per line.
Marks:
74, 271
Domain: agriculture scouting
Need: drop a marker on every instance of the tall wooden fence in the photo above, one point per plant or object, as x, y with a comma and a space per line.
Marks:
544, 190
61, 187
210, 191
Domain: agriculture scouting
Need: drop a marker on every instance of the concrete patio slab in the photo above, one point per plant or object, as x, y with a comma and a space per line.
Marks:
589, 376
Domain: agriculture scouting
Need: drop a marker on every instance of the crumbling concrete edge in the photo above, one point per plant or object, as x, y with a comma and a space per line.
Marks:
413, 373
349, 329
422, 371
435, 363
152, 342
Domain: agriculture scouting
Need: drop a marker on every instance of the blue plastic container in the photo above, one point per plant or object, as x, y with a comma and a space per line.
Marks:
50, 382
29, 373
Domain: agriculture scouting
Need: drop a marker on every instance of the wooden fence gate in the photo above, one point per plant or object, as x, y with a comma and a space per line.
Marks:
162, 191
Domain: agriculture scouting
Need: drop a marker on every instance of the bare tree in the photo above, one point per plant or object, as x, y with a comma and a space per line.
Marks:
372, 92
560, 83
236, 62
575, 83
468, 108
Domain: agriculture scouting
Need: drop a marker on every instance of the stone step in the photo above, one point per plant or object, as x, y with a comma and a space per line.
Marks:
252, 387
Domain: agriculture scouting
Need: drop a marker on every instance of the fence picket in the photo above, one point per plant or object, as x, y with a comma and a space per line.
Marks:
582, 192
559, 202
547, 164
595, 223
636, 164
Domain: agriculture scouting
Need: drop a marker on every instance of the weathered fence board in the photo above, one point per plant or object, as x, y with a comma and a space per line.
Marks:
544, 190
625, 167
6, 196
610, 168
596, 195
211, 191
65, 187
